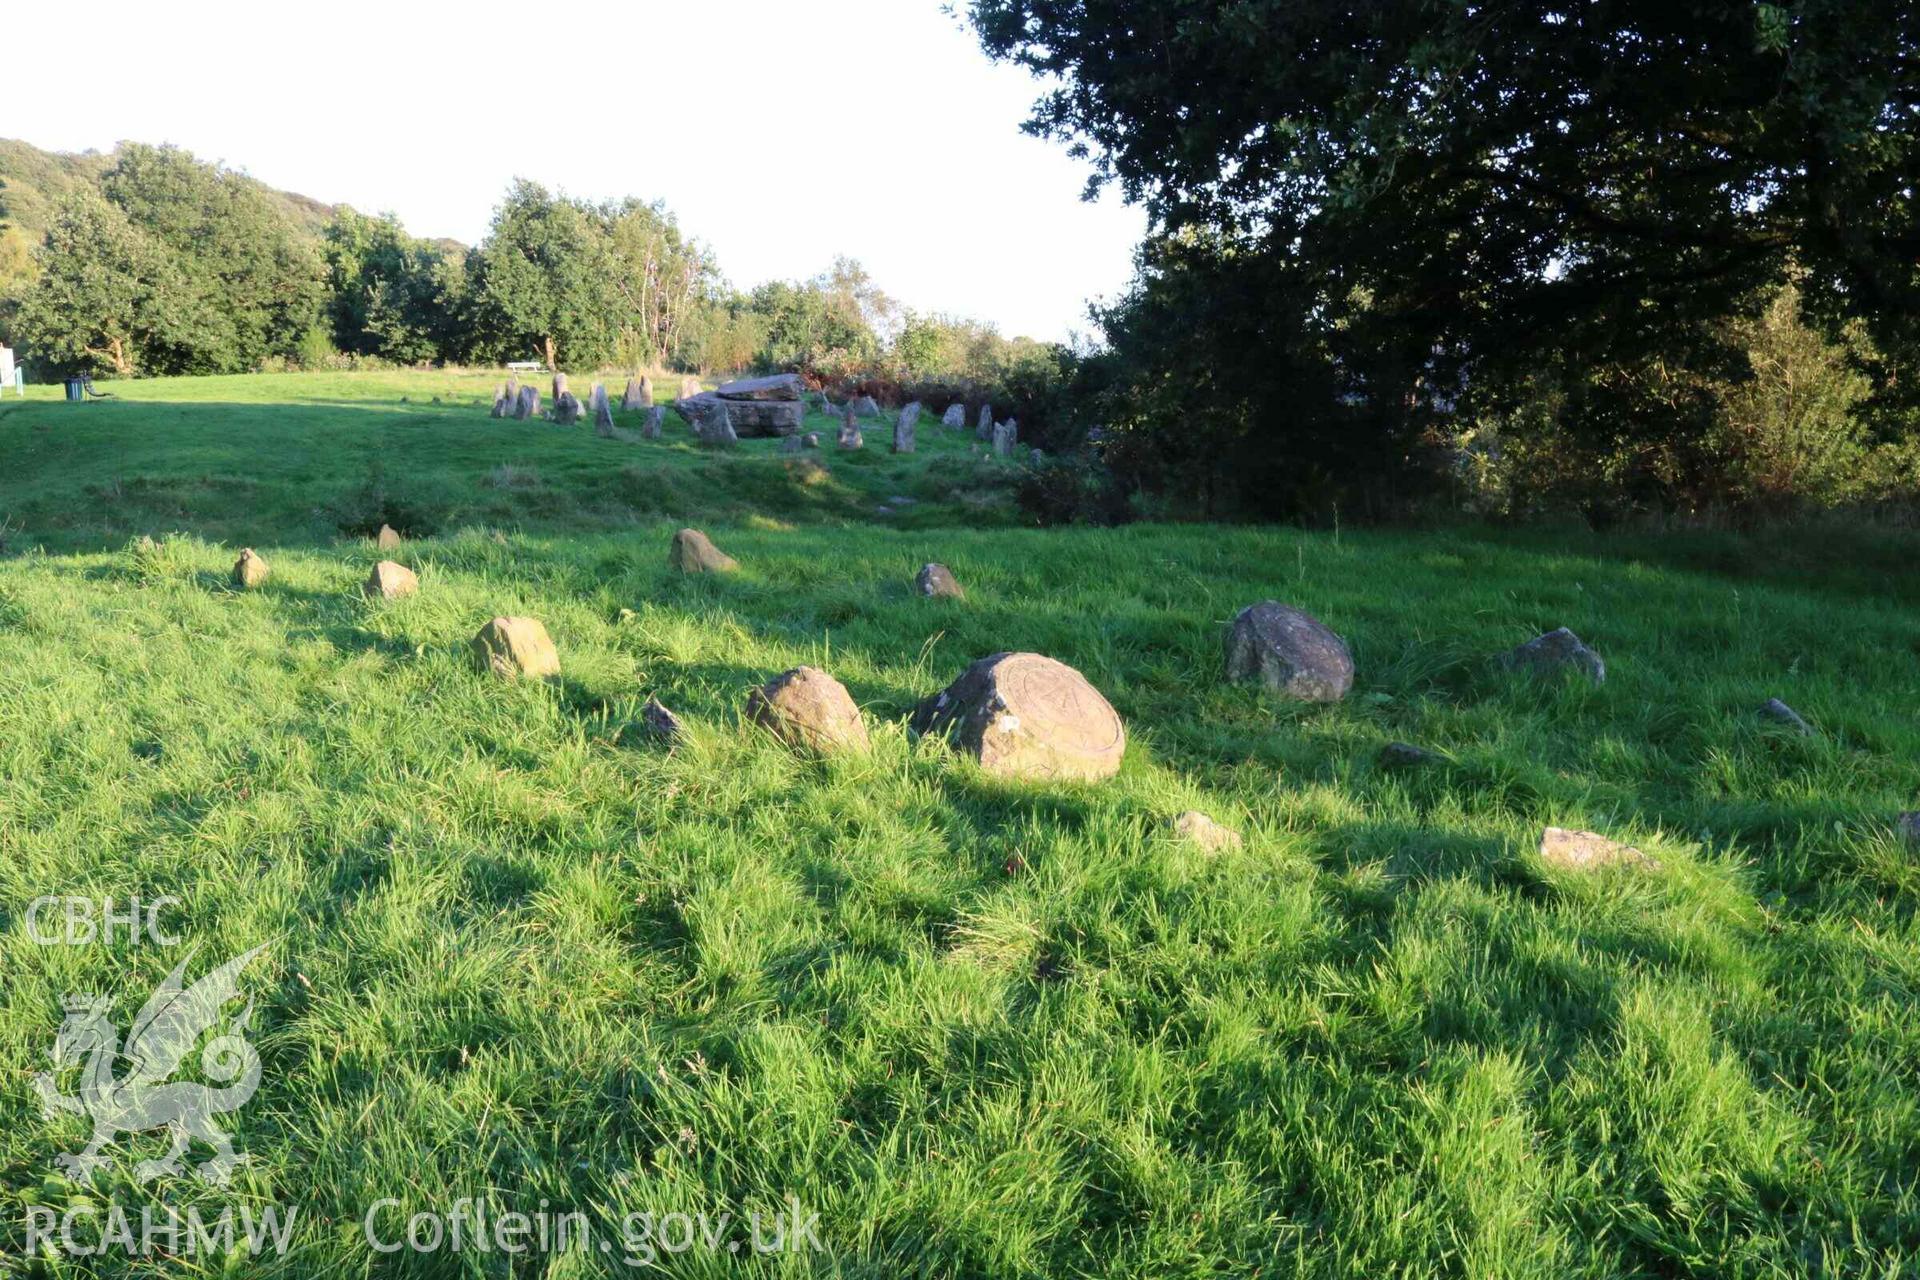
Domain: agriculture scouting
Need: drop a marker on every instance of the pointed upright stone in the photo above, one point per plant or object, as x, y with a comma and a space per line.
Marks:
983, 427
390, 581
559, 384
716, 428
1553, 653
1003, 439
904, 428
656, 418
388, 538
602, 413
955, 416
249, 571
693, 552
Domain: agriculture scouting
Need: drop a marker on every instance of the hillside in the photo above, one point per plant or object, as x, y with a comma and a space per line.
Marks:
522, 950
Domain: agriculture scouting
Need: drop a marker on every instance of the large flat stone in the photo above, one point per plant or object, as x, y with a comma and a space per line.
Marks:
749, 417
783, 386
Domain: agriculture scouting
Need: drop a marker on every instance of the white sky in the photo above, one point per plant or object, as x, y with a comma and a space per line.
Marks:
781, 132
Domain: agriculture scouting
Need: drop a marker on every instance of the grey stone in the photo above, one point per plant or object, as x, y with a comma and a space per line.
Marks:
937, 581
811, 440
528, 404
903, 430
656, 417
660, 722
1003, 439
639, 394
602, 412
689, 387
567, 409
983, 425
559, 384
501, 407
716, 428
784, 386
1289, 651
850, 437
1553, 653
1023, 715
864, 407
748, 417
1785, 716
1404, 755
1908, 827
955, 416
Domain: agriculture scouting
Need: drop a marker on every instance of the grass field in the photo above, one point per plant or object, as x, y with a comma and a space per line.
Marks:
521, 953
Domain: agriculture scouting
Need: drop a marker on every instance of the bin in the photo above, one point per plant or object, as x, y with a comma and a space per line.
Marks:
76, 388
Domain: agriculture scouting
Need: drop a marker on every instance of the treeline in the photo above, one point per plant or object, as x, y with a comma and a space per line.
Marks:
168, 265
1636, 258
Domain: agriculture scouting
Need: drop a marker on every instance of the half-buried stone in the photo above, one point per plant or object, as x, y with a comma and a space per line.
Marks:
1289, 651
249, 571
513, 648
808, 709
1022, 715
693, 552
1553, 653
1589, 851
1203, 831
936, 581
390, 581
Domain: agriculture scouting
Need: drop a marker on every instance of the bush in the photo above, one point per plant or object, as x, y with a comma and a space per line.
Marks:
1075, 488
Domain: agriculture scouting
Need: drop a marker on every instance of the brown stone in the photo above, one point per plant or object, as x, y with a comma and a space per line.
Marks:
388, 538
1587, 851
390, 581
249, 571
1022, 715
693, 552
660, 722
515, 647
937, 581
1289, 651
1205, 832
809, 709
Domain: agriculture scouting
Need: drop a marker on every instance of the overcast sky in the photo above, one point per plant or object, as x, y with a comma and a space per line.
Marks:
781, 132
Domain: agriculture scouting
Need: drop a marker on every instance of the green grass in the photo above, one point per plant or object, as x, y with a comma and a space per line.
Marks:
519, 951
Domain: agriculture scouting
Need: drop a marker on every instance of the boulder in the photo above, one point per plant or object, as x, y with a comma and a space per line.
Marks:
1785, 716
1003, 439
716, 428
784, 386
388, 538
1553, 653
1289, 651
1404, 755
809, 709
660, 722
955, 416
749, 417
1022, 715
903, 430
1586, 851
864, 407
1197, 827
512, 648
693, 552
936, 581
390, 581
656, 418
249, 571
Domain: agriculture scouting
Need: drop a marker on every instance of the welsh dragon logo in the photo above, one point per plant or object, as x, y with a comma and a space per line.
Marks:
129, 1091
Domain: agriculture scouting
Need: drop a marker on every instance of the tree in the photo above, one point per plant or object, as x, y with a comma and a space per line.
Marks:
547, 279
106, 293
388, 290
1470, 193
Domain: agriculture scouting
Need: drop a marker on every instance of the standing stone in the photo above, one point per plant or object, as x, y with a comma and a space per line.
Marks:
936, 581
955, 416
864, 406
602, 412
567, 410
1203, 831
390, 581
693, 552
559, 384
1022, 715
809, 709
528, 405
500, 403
1785, 716
388, 538
656, 417
1553, 653
1586, 851
983, 427
781, 386
903, 430
513, 392
512, 648
716, 428
689, 388
249, 571
639, 394
849, 429
1003, 440
1289, 651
